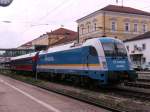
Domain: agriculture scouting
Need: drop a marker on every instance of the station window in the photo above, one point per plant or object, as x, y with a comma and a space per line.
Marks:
88, 28
135, 27
95, 26
144, 28
135, 47
143, 46
143, 60
127, 27
113, 26
82, 30
127, 48
92, 51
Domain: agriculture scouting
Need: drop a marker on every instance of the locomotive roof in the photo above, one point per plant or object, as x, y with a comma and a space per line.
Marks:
109, 39
24, 56
73, 45
57, 48
66, 47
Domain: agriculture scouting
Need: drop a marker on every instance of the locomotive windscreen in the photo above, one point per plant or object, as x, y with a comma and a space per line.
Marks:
114, 49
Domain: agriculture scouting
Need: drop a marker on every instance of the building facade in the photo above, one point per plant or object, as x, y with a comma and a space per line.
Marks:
42, 40
114, 21
62, 36
138, 48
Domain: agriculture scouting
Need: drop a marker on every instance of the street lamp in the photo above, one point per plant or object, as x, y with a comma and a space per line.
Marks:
6, 21
38, 25
5, 3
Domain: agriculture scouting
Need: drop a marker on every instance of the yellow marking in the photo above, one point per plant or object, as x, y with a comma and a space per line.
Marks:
72, 65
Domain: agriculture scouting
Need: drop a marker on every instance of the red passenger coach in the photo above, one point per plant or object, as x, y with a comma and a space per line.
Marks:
25, 62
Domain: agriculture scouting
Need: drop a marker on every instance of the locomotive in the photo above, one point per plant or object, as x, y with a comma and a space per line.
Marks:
102, 60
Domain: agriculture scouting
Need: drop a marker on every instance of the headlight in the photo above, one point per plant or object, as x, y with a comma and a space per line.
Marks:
104, 64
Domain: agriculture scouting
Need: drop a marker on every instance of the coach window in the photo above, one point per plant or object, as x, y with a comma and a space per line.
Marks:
92, 51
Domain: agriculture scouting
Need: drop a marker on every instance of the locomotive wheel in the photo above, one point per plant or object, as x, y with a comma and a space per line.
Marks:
76, 81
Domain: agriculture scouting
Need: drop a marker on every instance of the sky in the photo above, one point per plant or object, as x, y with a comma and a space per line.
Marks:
25, 20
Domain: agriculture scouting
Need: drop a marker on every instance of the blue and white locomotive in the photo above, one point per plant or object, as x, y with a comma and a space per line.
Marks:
103, 60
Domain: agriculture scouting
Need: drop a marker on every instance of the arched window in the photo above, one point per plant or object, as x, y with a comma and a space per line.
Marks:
127, 27
135, 27
82, 29
88, 27
113, 26
144, 27
94, 24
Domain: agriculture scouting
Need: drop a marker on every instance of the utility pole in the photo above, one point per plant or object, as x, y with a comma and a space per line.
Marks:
36, 75
104, 28
78, 34
121, 2
117, 2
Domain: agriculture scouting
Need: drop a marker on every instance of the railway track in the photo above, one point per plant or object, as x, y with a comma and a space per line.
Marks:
143, 75
93, 97
95, 101
69, 92
143, 80
133, 92
138, 84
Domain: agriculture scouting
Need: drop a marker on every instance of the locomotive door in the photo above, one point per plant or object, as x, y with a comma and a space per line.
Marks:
86, 64
85, 55
89, 57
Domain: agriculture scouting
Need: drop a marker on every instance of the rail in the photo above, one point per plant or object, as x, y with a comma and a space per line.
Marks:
110, 103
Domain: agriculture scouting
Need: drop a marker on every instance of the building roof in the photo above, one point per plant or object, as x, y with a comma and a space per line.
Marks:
62, 31
120, 9
65, 40
27, 45
124, 9
140, 37
69, 34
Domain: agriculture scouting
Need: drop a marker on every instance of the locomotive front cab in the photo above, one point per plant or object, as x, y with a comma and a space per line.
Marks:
117, 59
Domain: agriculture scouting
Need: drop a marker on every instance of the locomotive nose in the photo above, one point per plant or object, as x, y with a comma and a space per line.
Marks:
117, 64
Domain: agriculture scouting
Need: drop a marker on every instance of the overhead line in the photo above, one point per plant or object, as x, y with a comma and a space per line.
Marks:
52, 11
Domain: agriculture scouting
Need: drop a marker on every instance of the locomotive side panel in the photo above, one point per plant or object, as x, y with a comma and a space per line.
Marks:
73, 59
82, 61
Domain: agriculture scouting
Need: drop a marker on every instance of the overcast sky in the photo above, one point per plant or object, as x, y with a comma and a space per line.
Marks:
31, 18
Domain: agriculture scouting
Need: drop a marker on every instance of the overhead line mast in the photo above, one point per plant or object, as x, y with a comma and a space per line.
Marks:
121, 2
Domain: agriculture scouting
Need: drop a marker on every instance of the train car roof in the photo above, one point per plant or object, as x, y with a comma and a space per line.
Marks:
24, 56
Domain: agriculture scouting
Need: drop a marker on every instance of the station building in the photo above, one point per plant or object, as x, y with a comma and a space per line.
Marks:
114, 21
56, 37
139, 49
53, 38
